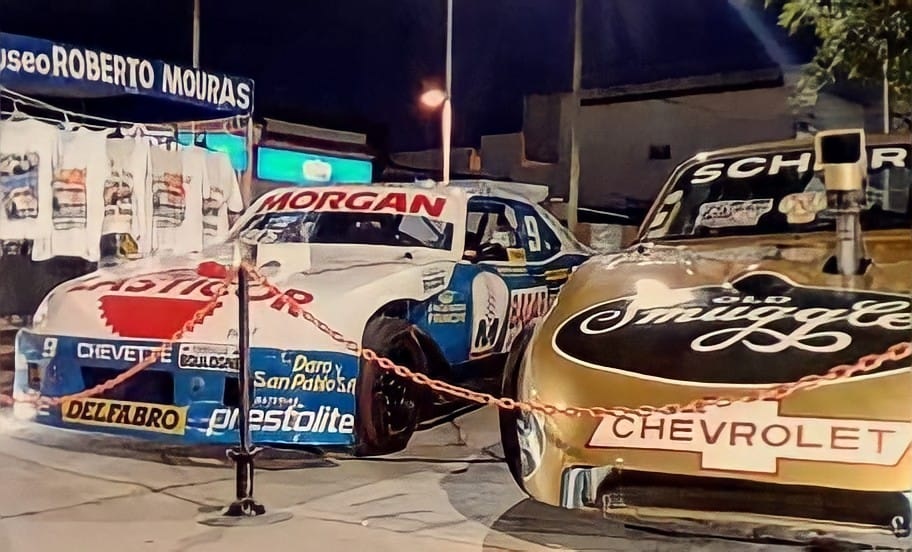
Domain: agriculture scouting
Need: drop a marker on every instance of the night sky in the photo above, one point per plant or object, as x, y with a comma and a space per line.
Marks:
361, 64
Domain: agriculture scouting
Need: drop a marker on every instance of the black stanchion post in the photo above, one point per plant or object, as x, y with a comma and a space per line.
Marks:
244, 505
244, 510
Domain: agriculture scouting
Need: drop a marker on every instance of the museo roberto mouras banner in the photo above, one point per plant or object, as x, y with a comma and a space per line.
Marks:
37, 66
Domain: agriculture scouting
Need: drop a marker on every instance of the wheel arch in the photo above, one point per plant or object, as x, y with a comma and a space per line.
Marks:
436, 363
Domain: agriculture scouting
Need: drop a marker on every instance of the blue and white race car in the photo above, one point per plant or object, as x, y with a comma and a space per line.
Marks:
438, 279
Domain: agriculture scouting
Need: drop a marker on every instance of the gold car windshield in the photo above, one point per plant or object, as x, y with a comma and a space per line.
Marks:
776, 192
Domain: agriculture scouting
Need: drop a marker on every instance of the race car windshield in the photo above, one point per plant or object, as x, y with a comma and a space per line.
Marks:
776, 193
348, 228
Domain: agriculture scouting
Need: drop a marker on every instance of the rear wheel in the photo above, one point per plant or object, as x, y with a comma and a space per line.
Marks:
388, 406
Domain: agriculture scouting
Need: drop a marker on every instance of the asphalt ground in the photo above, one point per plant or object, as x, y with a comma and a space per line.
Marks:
449, 490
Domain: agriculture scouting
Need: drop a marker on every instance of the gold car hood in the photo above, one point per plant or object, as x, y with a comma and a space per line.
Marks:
669, 324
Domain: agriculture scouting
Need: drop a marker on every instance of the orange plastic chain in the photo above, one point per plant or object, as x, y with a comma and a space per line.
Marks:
197, 319
778, 392
865, 364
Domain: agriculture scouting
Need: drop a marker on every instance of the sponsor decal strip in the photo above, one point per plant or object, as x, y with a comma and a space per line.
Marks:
407, 202
156, 418
220, 358
316, 376
325, 419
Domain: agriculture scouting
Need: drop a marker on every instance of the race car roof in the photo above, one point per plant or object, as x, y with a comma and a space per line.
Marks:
794, 143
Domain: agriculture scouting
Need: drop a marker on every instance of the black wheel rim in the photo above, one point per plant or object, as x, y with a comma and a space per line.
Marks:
394, 402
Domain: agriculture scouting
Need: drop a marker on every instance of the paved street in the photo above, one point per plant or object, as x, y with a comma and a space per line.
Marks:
449, 491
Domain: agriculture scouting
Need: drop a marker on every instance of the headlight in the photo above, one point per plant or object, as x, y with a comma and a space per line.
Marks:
41, 312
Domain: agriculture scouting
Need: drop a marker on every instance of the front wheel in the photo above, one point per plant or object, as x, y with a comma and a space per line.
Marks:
521, 433
388, 406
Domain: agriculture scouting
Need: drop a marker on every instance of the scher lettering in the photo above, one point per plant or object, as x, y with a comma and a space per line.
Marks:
796, 162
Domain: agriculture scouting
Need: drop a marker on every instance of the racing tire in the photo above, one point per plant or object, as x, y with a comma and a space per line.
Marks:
510, 419
388, 407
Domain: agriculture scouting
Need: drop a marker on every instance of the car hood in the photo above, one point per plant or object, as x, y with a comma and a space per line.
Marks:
658, 325
151, 299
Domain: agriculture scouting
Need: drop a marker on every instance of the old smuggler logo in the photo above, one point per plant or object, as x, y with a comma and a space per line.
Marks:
761, 329
157, 418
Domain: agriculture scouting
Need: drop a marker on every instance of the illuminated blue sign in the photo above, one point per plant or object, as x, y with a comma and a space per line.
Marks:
309, 169
234, 146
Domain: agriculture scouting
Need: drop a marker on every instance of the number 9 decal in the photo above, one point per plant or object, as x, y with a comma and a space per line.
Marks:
533, 234
50, 347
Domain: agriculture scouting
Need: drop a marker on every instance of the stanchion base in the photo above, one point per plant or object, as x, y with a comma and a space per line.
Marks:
245, 507
245, 513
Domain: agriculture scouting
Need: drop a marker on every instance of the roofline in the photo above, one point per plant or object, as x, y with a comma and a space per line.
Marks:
769, 77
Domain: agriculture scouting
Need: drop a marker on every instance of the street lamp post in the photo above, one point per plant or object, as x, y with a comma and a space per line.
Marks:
447, 115
196, 33
437, 98
574, 180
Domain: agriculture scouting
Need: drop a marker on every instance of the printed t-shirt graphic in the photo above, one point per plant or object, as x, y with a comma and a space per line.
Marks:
169, 203
77, 197
221, 195
28, 152
125, 189
177, 184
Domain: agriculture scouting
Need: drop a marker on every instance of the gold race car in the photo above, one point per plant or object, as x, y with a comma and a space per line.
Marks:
756, 267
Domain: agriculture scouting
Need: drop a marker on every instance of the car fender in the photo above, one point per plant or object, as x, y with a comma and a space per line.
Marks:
392, 293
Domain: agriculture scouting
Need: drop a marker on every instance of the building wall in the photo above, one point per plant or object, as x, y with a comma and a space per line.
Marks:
616, 138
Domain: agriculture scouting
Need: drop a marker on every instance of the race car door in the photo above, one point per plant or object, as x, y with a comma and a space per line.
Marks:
493, 233
549, 258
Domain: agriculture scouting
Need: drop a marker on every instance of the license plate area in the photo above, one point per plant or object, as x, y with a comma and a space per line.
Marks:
704, 494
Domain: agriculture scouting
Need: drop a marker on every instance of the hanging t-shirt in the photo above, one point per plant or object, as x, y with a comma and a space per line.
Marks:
28, 154
77, 193
125, 197
177, 197
221, 195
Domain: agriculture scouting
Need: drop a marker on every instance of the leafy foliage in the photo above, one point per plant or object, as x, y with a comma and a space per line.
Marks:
855, 37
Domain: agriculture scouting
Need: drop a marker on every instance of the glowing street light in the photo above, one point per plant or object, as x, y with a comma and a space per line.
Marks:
434, 99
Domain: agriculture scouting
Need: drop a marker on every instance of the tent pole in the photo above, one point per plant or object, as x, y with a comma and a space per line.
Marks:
247, 177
